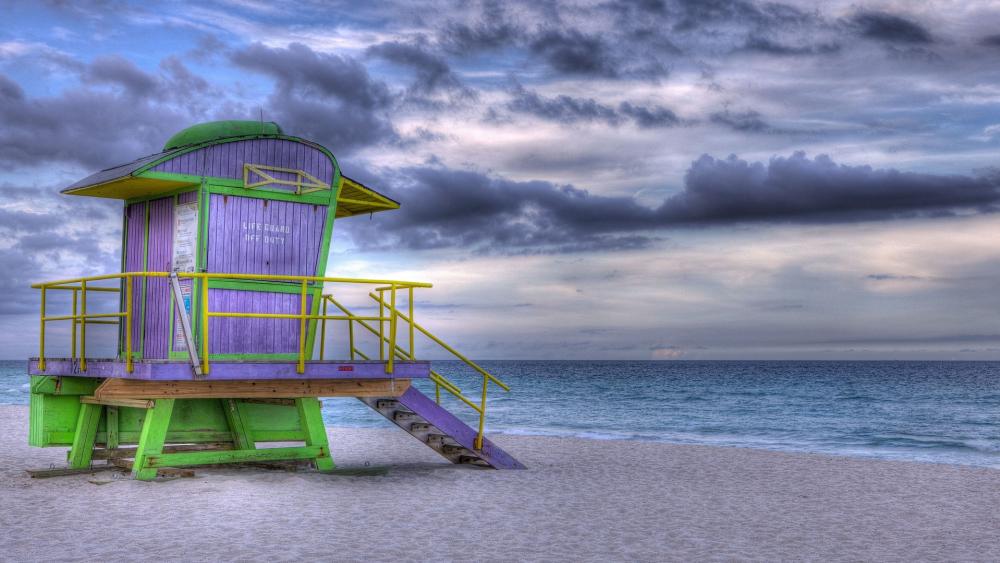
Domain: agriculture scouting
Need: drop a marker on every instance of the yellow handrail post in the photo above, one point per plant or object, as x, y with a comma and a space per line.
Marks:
41, 334
72, 332
322, 332
381, 325
83, 325
350, 330
128, 323
301, 368
204, 324
482, 415
409, 302
393, 317
350, 335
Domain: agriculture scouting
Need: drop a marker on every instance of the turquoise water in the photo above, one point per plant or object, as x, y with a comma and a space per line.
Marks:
939, 412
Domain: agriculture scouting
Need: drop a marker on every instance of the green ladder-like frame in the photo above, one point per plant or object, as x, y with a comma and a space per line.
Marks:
149, 455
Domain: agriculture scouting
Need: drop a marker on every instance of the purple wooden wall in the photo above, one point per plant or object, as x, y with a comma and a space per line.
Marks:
158, 255
135, 228
253, 336
253, 236
226, 160
257, 236
151, 315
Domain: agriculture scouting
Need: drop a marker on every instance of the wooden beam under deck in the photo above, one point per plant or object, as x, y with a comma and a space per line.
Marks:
112, 402
112, 389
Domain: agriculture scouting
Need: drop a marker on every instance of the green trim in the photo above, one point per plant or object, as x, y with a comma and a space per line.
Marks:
235, 456
202, 261
323, 258
193, 178
174, 193
269, 286
314, 198
55, 439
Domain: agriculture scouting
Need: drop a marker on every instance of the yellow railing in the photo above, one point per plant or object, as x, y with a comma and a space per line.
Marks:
440, 381
388, 314
81, 318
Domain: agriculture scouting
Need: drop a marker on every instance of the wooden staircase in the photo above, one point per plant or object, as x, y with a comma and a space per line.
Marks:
440, 430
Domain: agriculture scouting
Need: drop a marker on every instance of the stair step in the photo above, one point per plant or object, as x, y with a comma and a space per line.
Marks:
424, 419
403, 416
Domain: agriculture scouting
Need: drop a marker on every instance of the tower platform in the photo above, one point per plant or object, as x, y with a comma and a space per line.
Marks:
177, 370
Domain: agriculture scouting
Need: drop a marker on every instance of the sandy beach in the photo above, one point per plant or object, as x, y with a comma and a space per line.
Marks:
580, 500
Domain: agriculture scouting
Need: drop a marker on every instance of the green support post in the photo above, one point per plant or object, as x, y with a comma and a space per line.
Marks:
311, 419
83, 439
242, 437
111, 427
154, 432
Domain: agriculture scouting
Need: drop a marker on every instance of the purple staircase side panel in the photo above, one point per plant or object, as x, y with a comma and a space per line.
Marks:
456, 429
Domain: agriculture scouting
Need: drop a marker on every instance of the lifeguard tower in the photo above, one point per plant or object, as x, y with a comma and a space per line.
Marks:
221, 300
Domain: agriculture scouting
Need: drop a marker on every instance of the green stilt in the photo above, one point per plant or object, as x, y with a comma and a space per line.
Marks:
86, 432
238, 424
111, 427
311, 419
154, 432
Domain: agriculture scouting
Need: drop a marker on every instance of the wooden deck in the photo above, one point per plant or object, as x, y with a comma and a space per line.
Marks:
176, 370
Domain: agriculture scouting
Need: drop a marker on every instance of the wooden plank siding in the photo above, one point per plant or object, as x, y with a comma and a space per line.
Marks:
226, 160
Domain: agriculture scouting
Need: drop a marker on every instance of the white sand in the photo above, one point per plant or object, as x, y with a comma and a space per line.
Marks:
580, 500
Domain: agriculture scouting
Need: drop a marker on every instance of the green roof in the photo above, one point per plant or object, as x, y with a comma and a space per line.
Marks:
219, 130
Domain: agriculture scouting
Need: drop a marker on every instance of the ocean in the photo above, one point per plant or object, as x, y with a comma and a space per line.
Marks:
934, 412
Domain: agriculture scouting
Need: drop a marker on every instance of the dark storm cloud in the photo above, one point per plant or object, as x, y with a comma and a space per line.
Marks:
569, 110
454, 208
122, 72
649, 117
748, 121
490, 31
562, 109
41, 230
297, 67
451, 208
691, 15
573, 52
892, 277
991, 40
325, 97
432, 71
756, 43
800, 189
65, 127
890, 28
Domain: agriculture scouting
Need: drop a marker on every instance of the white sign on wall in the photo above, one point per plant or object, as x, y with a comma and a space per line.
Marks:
185, 237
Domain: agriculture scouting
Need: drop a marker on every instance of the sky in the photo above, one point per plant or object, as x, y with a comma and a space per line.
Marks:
654, 179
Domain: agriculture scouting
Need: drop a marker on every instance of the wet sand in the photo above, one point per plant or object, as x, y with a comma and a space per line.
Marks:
580, 500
